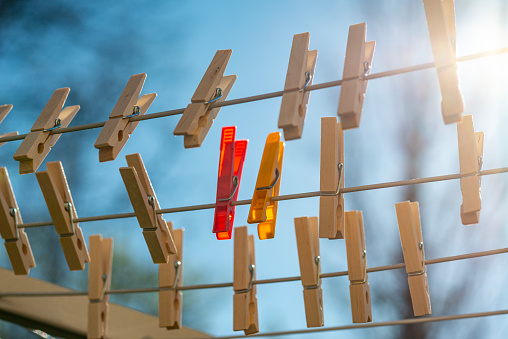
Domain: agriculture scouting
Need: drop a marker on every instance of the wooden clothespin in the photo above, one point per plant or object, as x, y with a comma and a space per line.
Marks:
331, 201
307, 241
262, 209
144, 201
408, 217
37, 144
357, 64
293, 108
16, 241
118, 128
4, 110
58, 198
197, 119
170, 277
99, 282
441, 24
245, 303
359, 288
470, 159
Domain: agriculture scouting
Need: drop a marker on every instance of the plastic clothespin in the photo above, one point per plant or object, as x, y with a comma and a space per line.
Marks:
262, 209
245, 303
118, 128
357, 64
441, 25
144, 201
37, 144
58, 198
170, 277
307, 241
197, 119
4, 110
359, 287
99, 282
408, 217
16, 242
470, 159
293, 108
232, 156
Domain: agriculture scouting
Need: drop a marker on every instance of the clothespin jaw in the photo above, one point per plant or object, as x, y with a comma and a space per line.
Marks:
144, 201
37, 144
302, 64
99, 282
245, 304
408, 217
197, 119
16, 242
4, 110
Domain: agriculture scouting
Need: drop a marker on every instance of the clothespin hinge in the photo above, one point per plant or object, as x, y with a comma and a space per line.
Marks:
151, 202
136, 110
68, 208
252, 270
14, 213
277, 175
364, 258
58, 124
340, 167
217, 96
235, 182
424, 270
308, 78
105, 279
317, 260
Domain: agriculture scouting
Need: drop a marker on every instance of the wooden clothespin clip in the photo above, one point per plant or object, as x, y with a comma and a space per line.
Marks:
470, 159
16, 242
331, 201
99, 282
245, 303
293, 108
232, 156
4, 110
359, 288
58, 198
144, 201
118, 128
170, 277
37, 144
262, 209
441, 24
408, 217
307, 241
197, 119
357, 64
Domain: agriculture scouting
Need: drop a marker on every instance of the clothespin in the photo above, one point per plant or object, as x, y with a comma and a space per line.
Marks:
16, 242
37, 144
331, 201
356, 250
4, 110
408, 217
307, 241
357, 64
197, 119
293, 108
144, 201
262, 209
170, 277
118, 128
99, 282
441, 24
232, 156
58, 198
245, 303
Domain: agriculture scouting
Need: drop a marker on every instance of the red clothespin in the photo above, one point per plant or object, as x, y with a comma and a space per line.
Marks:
4, 110
232, 156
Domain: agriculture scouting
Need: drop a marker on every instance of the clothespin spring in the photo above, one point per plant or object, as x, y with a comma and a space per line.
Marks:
14, 213
367, 68
105, 279
340, 167
178, 267
364, 257
218, 95
58, 124
151, 202
252, 269
135, 111
277, 175
424, 270
68, 208
235, 182
317, 260
308, 78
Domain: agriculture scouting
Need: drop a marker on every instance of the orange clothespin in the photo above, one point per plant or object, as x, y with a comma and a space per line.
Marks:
197, 119
293, 108
58, 198
470, 159
307, 241
262, 209
144, 201
118, 128
99, 282
357, 65
441, 24
16, 242
245, 303
170, 277
359, 287
331, 201
37, 144
4, 110
408, 217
